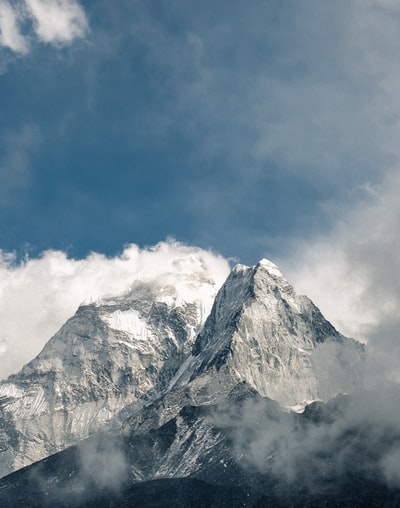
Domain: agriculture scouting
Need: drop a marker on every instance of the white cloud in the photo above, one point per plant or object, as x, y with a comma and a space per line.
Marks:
10, 35
57, 21
38, 295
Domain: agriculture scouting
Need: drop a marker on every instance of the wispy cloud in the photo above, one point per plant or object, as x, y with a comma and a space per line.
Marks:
308, 94
353, 272
15, 164
328, 447
311, 94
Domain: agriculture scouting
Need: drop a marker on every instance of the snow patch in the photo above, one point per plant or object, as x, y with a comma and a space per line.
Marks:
270, 267
128, 321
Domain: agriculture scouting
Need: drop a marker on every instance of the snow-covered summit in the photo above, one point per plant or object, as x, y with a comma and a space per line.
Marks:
113, 353
270, 267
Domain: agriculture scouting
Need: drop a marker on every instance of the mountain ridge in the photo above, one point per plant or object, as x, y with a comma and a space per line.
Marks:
263, 332
148, 348
229, 454
93, 368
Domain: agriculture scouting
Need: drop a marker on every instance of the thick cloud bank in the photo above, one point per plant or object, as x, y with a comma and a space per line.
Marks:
38, 295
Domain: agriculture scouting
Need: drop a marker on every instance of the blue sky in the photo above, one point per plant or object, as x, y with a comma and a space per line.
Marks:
256, 129
233, 126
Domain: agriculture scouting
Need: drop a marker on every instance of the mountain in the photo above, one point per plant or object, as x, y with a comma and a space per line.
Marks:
136, 361
260, 331
244, 451
109, 355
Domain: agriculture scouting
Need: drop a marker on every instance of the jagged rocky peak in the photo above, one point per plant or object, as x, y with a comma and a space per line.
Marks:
151, 344
260, 331
172, 308
113, 353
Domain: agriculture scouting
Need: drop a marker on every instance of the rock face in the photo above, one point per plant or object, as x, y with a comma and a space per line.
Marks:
147, 353
107, 357
261, 332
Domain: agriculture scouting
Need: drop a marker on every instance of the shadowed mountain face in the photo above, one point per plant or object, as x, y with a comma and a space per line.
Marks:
177, 408
229, 454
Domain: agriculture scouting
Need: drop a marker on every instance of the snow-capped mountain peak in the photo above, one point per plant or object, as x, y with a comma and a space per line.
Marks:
153, 342
260, 331
111, 354
270, 267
